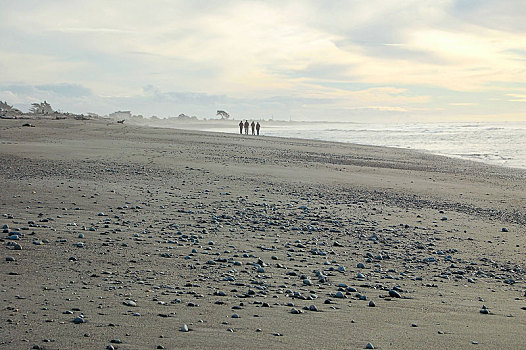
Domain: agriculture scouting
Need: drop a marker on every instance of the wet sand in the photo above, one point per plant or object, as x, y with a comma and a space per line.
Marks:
252, 242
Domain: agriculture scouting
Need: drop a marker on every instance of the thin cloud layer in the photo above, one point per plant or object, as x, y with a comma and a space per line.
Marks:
300, 59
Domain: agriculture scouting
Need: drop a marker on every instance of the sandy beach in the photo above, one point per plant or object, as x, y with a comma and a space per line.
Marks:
118, 236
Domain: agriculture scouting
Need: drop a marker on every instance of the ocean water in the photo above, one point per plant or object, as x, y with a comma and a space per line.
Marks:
497, 143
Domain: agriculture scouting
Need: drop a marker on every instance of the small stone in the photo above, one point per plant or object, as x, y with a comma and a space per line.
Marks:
79, 320
9, 258
504, 229
116, 341
236, 316
369, 346
313, 308
295, 311
129, 303
394, 294
339, 294
184, 328
414, 325
372, 304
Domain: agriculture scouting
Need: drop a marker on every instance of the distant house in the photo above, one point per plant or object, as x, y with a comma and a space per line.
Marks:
121, 115
183, 116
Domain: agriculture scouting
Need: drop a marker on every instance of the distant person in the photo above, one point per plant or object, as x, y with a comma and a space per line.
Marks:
253, 126
241, 127
258, 127
246, 127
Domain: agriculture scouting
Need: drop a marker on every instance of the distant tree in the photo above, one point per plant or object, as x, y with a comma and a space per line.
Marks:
223, 114
5, 107
41, 108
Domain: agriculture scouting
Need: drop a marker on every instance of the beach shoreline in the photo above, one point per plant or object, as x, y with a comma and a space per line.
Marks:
139, 230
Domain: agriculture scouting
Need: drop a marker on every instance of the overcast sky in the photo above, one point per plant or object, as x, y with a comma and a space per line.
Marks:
305, 60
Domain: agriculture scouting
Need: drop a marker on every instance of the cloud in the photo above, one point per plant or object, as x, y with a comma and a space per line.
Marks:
517, 97
287, 57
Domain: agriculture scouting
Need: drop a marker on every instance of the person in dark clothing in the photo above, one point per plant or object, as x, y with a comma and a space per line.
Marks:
253, 126
241, 127
246, 127
258, 127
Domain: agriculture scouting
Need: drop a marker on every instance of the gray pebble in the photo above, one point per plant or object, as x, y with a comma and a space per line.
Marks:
339, 294
394, 294
129, 303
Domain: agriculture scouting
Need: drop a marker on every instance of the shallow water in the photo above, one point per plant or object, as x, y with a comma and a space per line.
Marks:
497, 143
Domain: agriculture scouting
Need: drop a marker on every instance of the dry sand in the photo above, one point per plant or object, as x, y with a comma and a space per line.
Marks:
137, 231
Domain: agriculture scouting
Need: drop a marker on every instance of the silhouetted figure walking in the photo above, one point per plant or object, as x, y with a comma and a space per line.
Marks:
241, 127
246, 127
258, 127
253, 126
